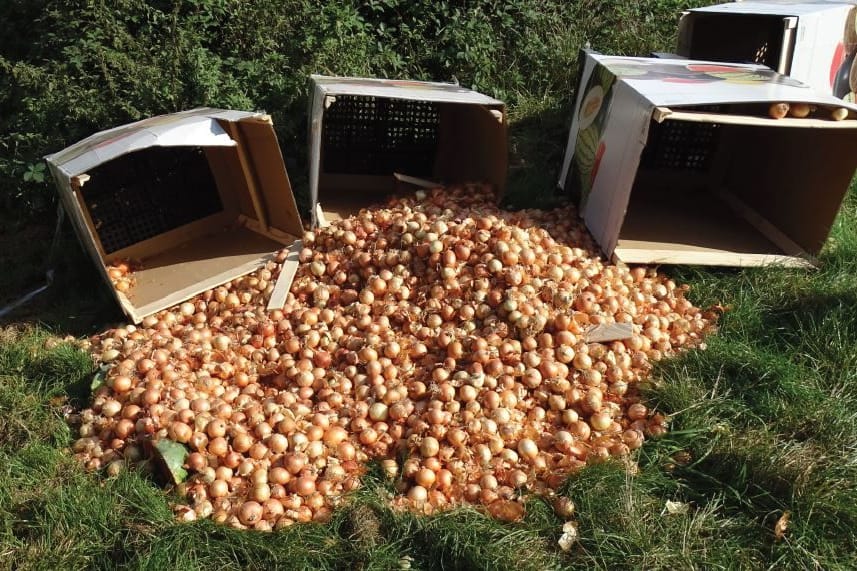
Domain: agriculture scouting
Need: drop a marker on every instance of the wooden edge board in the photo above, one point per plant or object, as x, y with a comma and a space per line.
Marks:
128, 307
185, 233
605, 332
83, 209
273, 233
79, 180
660, 114
421, 182
249, 174
320, 218
657, 254
287, 276
186, 293
767, 229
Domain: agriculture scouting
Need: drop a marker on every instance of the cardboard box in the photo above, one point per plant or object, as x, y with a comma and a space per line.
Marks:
198, 198
364, 130
814, 42
678, 162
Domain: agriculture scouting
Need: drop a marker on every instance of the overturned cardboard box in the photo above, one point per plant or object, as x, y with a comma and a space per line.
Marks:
814, 42
197, 198
362, 131
678, 162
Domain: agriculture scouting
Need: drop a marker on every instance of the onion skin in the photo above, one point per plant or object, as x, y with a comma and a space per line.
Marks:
778, 110
439, 336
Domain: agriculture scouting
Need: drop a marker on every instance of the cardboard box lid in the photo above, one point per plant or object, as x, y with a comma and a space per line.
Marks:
772, 8
187, 260
401, 89
682, 82
196, 127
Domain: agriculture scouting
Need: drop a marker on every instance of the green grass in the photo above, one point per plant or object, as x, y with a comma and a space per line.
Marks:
763, 422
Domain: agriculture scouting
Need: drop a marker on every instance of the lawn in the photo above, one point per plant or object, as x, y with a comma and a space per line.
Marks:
763, 427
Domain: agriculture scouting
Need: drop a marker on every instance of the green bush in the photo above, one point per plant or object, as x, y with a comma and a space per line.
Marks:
72, 67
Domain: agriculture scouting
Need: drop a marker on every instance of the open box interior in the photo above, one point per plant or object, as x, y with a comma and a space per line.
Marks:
740, 38
366, 139
192, 217
725, 193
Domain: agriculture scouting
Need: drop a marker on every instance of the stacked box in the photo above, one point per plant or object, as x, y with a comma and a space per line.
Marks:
814, 42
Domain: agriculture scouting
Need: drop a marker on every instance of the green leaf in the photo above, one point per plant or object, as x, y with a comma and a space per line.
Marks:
99, 378
28, 176
171, 455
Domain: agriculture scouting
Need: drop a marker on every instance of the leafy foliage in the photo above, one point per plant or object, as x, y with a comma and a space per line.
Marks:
69, 68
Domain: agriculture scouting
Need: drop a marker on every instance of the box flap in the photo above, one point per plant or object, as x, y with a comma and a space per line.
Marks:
680, 82
776, 8
197, 127
402, 89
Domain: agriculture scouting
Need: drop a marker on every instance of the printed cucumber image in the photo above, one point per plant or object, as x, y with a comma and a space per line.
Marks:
592, 116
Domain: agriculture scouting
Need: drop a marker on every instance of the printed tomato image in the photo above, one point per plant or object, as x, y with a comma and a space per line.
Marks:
715, 68
686, 80
836, 61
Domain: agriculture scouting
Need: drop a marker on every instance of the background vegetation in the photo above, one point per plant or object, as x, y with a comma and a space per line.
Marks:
763, 422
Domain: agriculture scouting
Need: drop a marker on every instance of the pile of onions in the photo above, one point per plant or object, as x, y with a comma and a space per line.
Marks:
442, 337
121, 274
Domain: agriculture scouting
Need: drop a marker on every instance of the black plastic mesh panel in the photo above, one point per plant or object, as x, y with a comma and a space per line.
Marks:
681, 145
753, 38
378, 136
143, 194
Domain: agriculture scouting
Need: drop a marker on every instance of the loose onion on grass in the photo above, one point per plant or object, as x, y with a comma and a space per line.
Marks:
442, 330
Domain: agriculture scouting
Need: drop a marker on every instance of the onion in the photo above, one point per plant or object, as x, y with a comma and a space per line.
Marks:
250, 513
444, 328
429, 447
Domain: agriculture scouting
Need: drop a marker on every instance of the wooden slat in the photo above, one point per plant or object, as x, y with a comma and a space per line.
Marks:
249, 175
83, 209
771, 232
287, 276
421, 182
662, 113
660, 253
320, 218
174, 237
605, 332
273, 233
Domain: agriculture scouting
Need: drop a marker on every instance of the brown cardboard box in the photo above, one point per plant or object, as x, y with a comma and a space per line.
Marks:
812, 41
198, 198
362, 131
678, 162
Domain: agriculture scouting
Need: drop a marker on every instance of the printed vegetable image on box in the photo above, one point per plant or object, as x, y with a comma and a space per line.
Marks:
593, 111
696, 162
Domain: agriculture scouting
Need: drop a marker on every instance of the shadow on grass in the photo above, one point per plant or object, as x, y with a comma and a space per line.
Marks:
77, 302
537, 140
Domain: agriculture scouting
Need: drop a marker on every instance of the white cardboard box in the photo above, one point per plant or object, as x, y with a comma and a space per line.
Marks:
677, 162
362, 131
813, 41
198, 198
